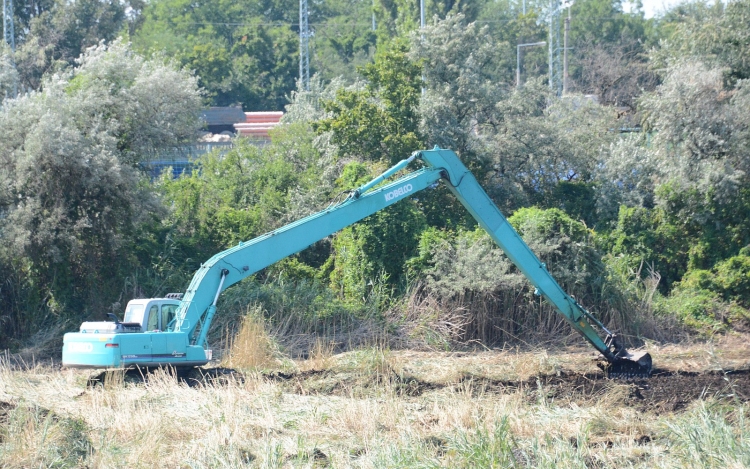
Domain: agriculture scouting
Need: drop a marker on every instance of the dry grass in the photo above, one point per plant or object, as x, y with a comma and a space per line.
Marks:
320, 356
49, 418
251, 346
731, 351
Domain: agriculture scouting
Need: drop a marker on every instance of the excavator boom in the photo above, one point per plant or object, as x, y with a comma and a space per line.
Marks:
183, 342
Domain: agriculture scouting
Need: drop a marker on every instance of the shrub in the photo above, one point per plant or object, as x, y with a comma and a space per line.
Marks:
712, 300
467, 289
698, 309
733, 279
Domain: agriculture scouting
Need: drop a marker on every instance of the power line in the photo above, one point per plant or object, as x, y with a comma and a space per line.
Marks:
327, 24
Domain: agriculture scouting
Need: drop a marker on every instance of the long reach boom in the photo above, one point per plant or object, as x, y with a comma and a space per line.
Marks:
182, 342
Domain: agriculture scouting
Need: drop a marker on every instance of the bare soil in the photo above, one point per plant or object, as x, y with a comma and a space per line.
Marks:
665, 391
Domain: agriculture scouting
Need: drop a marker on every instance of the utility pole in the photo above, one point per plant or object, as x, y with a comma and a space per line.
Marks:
565, 55
518, 59
8, 31
304, 45
9, 36
555, 72
421, 34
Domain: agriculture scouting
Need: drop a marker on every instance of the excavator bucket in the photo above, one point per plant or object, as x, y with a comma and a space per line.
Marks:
622, 364
628, 365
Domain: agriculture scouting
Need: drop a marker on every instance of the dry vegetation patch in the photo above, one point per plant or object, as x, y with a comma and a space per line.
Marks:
381, 408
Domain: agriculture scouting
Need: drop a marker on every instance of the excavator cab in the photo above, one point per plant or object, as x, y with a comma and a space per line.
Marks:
159, 316
141, 315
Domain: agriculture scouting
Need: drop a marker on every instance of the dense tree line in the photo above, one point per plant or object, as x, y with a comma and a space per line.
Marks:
637, 201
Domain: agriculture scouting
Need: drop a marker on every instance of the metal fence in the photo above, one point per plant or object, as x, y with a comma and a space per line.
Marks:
181, 159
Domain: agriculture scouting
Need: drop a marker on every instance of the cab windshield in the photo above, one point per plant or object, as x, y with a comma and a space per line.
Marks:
134, 313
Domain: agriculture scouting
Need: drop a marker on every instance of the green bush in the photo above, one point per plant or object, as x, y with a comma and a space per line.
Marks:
376, 247
733, 279
566, 246
711, 300
647, 237
292, 307
701, 310
698, 280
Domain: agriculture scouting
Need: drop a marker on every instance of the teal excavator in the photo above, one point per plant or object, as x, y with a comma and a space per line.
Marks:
172, 331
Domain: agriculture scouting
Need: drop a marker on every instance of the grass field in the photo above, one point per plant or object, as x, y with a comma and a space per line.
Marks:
375, 407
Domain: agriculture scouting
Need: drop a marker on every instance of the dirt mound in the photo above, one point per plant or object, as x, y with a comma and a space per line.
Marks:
668, 391
665, 391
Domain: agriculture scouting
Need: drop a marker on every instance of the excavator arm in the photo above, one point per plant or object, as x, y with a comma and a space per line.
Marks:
463, 184
226, 268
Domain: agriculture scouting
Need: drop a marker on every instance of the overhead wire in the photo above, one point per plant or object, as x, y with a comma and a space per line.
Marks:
332, 23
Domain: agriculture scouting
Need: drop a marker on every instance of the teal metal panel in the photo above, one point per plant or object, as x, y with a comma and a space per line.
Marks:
135, 348
90, 350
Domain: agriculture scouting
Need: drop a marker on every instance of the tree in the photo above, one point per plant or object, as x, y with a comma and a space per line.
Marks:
463, 81
243, 52
696, 140
617, 73
702, 128
379, 122
543, 153
608, 56
71, 191
59, 32
687, 176
465, 75
344, 38
244, 193
401, 17
8, 75
605, 22
713, 34
247, 51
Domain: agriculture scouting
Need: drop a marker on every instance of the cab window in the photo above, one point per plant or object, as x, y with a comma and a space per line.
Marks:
134, 313
167, 314
153, 318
